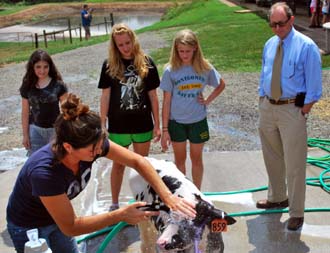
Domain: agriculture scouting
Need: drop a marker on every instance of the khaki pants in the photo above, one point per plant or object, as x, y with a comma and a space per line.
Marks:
283, 136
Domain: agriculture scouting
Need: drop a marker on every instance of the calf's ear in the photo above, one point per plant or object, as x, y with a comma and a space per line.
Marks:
219, 214
207, 212
230, 220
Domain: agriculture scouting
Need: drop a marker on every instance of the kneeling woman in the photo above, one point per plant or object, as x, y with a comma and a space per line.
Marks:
60, 170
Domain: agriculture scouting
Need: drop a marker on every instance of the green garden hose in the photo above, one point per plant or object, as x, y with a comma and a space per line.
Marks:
322, 181
286, 210
111, 235
236, 192
95, 234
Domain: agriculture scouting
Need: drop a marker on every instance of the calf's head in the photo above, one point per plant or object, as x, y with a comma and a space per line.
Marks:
179, 233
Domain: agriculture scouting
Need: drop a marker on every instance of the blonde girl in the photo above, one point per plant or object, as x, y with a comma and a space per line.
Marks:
184, 106
129, 103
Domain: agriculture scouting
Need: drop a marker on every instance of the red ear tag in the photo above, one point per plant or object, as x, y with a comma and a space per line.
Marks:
218, 226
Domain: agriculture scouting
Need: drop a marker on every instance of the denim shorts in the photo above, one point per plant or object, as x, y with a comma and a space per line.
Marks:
39, 137
56, 240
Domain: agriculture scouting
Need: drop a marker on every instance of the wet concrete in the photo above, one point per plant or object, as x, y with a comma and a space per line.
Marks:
231, 171
224, 171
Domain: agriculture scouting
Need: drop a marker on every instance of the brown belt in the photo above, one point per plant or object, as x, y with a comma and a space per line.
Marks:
281, 102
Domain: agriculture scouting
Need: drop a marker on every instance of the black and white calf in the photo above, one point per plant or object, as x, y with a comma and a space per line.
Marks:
176, 233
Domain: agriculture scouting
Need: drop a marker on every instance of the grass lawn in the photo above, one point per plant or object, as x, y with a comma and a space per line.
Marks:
17, 52
231, 41
7, 9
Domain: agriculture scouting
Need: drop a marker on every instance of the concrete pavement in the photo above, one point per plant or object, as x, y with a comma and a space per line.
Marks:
224, 171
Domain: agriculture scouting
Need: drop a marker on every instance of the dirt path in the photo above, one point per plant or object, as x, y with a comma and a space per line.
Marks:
80, 69
51, 10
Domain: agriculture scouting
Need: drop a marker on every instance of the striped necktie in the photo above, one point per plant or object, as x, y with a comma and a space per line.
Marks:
276, 91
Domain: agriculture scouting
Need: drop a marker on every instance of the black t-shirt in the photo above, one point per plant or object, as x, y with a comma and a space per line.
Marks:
44, 103
40, 176
130, 108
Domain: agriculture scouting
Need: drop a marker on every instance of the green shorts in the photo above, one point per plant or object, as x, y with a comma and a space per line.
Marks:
195, 132
126, 139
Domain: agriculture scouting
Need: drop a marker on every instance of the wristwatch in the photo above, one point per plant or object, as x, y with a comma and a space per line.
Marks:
305, 115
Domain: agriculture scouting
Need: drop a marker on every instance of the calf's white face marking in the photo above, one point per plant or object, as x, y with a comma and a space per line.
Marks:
179, 233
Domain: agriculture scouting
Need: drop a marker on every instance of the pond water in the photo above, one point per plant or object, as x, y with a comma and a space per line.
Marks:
25, 32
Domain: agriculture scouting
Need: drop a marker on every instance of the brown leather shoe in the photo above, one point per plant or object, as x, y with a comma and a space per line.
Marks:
265, 204
294, 223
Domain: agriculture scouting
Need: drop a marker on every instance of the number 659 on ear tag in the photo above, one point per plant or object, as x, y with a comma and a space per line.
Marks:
218, 226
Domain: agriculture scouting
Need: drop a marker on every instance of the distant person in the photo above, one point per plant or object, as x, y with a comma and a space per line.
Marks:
86, 19
290, 84
129, 80
59, 171
325, 11
315, 14
42, 90
184, 116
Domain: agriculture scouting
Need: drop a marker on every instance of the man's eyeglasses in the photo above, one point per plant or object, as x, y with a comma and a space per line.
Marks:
280, 24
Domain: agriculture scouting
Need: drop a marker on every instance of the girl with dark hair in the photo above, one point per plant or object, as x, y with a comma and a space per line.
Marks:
42, 89
59, 171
